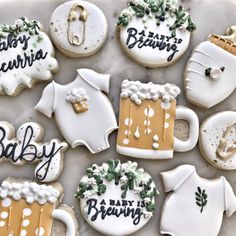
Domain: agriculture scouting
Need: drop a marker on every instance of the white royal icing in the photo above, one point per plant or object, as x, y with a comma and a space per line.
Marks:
130, 212
220, 82
154, 39
90, 128
26, 55
195, 205
24, 147
89, 36
218, 140
76, 95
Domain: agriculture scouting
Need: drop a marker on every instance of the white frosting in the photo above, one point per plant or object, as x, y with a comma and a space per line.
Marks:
94, 35
100, 118
30, 191
15, 79
212, 132
138, 91
220, 83
194, 205
76, 95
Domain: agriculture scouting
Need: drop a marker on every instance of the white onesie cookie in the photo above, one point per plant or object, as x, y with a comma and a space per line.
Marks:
155, 33
78, 28
82, 111
26, 56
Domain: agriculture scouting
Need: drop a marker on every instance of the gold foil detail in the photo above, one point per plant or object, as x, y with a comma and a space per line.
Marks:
80, 107
82, 16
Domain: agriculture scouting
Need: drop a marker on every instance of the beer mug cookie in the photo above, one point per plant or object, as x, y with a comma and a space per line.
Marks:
218, 140
30, 209
195, 206
212, 68
81, 109
78, 28
154, 33
117, 198
147, 119
26, 56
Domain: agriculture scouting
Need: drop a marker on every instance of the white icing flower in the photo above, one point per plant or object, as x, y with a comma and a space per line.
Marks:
140, 3
137, 189
147, 214
87, 194
147, 200
123, 179
19, 23
216, 73
92, 181
128, 12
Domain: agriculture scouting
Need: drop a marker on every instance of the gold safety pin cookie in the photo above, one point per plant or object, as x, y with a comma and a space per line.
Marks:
74, 15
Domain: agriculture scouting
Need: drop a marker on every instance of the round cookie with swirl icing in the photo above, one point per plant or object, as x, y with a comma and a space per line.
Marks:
211, 67
154, 33
117, 194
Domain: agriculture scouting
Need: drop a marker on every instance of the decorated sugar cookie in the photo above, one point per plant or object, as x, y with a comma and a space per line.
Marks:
218, 140
78, 28
117, 198
155, 33
26, 56
211, 68
82, 111
195, 205
27, 208
25, 146
147, 120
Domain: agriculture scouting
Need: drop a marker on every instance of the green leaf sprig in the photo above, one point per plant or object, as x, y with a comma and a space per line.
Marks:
201, 198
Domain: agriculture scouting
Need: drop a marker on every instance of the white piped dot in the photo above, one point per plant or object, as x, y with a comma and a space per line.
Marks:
167, 125
2, 223
165, 105
4, 215
127, 132
27, 212
167, 116
155, 138
40, 233
155, 145
6, 202
149, 112
147, 131
25, 222
147, 122
125, 141
23, 232
128, 121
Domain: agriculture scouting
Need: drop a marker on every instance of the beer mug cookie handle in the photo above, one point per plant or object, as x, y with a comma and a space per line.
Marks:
190, 116
65, 217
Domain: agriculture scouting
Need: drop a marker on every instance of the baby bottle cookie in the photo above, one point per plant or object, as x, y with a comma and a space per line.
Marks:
154, 33
78, 28
25, 146
26, 56
147, 119
211, 68
195, 206
218, 140
28, 208
117, 198
82, 111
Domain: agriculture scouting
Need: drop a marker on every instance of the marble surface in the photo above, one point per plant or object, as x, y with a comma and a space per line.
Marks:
209, 15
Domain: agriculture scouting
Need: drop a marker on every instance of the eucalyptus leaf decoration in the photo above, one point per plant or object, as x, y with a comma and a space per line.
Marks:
201, 198
160, 10
127, 175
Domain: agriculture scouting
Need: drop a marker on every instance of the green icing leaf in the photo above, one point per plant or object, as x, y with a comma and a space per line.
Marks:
201, 198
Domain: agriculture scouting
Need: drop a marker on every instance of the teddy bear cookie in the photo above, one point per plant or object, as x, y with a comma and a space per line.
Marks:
195, 206
218, 140
78, 28
117, 194
147, 118
26, 56
83, 113
28, 208
25, 146
154, 33
211, 68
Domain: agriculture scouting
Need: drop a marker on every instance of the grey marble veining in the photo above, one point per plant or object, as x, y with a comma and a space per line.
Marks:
209, 15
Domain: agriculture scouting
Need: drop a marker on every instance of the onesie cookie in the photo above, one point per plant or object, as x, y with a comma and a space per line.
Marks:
25, 146
78, 28
26, 56
155, 33
218, 140
117, 198
212, 68
82, 111
28, 208
195, 205
147, 120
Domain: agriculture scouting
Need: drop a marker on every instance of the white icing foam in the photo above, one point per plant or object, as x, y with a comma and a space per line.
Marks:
137, 91
76, 95
31, 191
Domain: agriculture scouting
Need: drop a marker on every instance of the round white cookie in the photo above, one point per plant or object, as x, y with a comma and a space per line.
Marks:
218, 140
115, 194
75, 30
154, 33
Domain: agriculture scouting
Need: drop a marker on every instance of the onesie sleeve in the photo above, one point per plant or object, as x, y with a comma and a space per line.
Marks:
174, 178
46, 102
230, 199
96, 80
